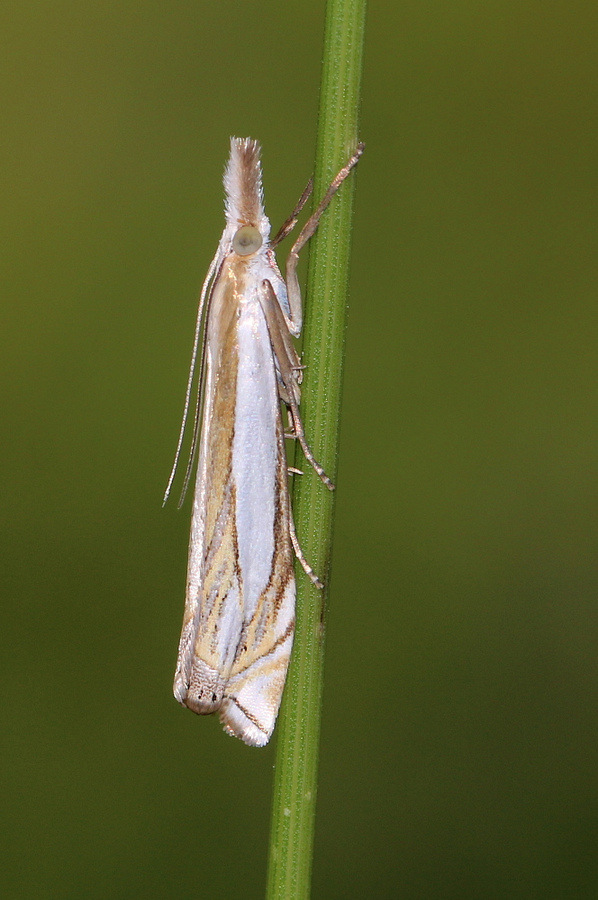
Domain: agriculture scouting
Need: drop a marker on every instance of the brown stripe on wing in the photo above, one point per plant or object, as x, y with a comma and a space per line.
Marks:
221, 577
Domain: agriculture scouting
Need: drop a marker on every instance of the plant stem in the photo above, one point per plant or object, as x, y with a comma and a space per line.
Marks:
298, 729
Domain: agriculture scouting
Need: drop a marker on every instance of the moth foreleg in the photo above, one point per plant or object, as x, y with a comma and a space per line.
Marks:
290, 223
293, 289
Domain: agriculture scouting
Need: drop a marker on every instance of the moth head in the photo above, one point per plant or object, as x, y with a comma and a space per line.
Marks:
247, 240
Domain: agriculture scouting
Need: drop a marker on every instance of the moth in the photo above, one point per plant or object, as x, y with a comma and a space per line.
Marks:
240, 603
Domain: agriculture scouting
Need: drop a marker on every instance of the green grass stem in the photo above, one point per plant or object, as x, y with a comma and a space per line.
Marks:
298, 729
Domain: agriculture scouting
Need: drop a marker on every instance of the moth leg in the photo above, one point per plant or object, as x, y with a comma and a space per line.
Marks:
299, 434
299, 553
293, 289
290, 223
290, 429
287, 362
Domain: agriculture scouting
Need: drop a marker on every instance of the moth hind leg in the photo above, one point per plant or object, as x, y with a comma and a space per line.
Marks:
299, 554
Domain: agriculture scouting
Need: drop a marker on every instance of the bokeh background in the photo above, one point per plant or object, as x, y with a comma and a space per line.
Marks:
458, 752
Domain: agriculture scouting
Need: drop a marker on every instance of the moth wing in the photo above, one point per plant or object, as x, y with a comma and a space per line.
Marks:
254, 690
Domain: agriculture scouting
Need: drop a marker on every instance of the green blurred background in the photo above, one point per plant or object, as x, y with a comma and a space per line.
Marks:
458, 750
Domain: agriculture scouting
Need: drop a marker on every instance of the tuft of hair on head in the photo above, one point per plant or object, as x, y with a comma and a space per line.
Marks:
243, 182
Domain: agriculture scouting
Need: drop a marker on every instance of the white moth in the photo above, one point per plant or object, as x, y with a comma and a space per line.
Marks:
240, 606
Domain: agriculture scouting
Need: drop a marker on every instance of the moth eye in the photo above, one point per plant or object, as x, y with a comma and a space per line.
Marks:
247, 240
